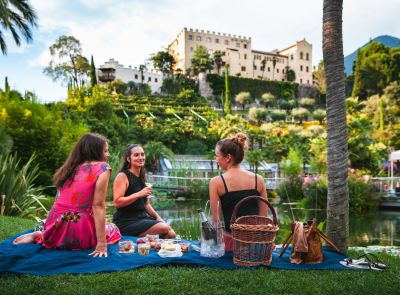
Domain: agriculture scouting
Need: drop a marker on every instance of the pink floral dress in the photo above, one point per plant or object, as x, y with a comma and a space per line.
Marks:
70, 223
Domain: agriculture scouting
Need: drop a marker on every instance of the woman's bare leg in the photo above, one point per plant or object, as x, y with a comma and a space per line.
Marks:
162, 229
27, 238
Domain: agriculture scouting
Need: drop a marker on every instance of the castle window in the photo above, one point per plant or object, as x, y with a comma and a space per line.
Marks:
255, 67
307, 69
217, 40
245, 56
307, 57
301, 68
291, 57
136, 76
190, 37
149, 79
269, 69
198, 38
238, 44
209, 39
243, 69
155, 80
301, 54
301, 80
226, 42
245, 46
277, 70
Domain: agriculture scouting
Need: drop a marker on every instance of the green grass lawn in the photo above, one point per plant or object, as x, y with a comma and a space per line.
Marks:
195, 280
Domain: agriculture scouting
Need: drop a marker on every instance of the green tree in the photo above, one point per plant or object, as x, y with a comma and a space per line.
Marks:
263, 65
274, 61
319, 114
258, 115
290, 74
6, 141
201, 61
243, 98
227, 93
18, 17
217, 59
268, 99
300, 114
156, 150
164, 62
319, 77
337, 155
254, 157
68, 63
93, 77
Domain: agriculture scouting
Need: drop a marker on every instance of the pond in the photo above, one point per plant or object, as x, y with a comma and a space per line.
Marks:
377, 228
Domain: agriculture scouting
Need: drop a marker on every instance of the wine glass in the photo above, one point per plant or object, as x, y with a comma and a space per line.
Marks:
148, 184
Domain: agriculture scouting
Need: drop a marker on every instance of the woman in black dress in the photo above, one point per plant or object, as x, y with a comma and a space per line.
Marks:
135, 216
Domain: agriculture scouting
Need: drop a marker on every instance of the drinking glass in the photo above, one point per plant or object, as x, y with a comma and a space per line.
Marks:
148, 184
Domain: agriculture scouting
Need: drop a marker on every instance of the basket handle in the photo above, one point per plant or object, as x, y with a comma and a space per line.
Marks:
233, 218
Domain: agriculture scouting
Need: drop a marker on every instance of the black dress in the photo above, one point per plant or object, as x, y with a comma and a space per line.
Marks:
230, 199
132, 220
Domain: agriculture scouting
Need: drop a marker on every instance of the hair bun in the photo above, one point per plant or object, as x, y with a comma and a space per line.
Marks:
241, 139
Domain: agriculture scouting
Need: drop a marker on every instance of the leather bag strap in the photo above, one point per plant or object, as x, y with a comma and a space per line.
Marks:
329, 242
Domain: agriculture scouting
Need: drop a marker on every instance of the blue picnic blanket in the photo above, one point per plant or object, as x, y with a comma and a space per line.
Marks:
37, 260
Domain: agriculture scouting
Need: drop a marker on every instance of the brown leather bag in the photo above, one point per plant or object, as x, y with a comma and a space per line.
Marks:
306, 246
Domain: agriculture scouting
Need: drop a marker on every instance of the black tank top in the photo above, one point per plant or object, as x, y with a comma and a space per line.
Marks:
230, 199
137, 208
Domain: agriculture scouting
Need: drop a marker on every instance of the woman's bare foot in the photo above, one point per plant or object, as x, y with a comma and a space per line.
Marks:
27, 238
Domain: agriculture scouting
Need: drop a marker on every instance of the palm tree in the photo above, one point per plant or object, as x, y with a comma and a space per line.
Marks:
156, 150
337, 150
274, 60
263, 64
18, 17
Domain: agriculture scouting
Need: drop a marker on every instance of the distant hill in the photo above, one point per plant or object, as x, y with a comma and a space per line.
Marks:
385, 40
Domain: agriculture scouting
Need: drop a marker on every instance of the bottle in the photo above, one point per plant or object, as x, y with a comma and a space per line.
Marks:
207, 228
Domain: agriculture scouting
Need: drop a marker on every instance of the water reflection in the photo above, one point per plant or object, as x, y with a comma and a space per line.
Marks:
379, 228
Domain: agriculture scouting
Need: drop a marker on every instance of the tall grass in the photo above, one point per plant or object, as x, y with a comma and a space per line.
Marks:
22, 197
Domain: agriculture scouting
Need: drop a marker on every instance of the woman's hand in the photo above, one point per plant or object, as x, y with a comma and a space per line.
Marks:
100, 251
146, 191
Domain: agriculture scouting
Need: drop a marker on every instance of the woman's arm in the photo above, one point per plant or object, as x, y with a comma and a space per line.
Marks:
153, 212
119, 188
99, 213
262, 190
214, 199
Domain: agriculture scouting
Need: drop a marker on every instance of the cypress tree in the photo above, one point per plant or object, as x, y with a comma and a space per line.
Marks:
93, 78
6, 88
227, 93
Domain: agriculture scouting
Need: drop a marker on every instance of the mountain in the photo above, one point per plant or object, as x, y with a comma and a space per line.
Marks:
385, 40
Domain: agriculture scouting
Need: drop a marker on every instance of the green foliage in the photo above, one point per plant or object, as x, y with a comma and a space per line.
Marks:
227, 92
196, 147
291, 190
34, 128
292, 165
201, 61
361, 198
268, 99
256, 87
17, 17
217, 59
175, 85
6, 141
23, 198
376, 66
319, 114
243, 98
307, 102
277, 115
290, 74
68, 64
164, 62
254, 157
300, 114
154, 151
319, 77
258, 115
93, 78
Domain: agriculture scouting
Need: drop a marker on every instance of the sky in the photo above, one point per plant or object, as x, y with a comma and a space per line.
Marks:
131, 30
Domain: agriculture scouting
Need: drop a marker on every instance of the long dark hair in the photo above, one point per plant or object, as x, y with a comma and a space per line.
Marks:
90, 147
127, 164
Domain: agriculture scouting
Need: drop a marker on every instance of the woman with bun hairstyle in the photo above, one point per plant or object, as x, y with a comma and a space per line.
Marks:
134, 215
235, 184
77, 220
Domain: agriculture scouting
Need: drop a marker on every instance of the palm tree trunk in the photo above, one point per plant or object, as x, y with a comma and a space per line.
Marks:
337, 150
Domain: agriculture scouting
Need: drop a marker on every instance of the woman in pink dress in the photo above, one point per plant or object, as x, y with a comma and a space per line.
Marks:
77, 220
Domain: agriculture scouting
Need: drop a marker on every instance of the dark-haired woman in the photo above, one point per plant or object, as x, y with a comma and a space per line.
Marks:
77, 220
235, 184
135, 216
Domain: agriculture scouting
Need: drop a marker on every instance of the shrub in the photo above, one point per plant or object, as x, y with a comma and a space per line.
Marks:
361, 198
16, 183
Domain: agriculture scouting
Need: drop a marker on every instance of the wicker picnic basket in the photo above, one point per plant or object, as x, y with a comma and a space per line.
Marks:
253, 236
